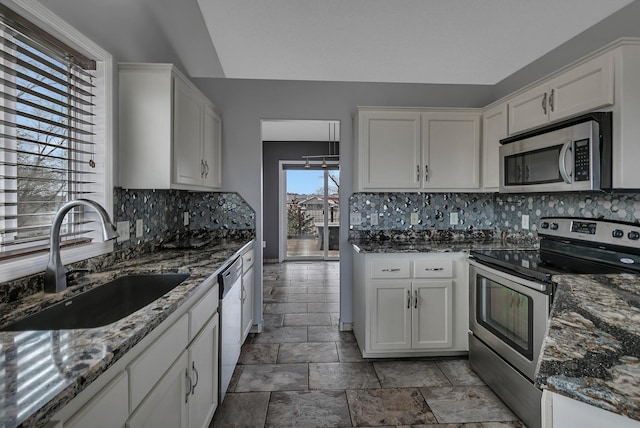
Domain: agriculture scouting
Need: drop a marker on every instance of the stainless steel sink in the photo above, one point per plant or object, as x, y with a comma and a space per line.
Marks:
101, 305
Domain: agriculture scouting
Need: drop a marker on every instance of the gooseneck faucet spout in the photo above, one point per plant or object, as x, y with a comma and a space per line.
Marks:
55, 279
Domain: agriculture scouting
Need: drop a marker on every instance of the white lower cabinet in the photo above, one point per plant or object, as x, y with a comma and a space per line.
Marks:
203, 367
410, 304
559, 411
169, 379
166, 404
247, 292
108, 409
411, 315
187, 394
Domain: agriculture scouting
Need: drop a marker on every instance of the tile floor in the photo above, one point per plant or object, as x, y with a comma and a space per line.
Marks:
302, 372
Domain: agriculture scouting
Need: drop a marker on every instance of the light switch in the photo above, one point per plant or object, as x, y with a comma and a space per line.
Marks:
374, 219
122, 227
355, 218
525, 221
415, 218
453, 219
139, 228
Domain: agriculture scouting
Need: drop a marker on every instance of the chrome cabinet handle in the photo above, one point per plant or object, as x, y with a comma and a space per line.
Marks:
408, 299
243, 296
417, 172
426, 173
551, 99
190, 383
201, 168
206, 172
416, 302
391, 270
544, 103
433, 269
193, 367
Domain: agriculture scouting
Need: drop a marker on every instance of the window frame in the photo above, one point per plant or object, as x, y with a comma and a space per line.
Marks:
45, 19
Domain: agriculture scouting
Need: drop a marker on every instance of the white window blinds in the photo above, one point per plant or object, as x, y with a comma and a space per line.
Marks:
48, 155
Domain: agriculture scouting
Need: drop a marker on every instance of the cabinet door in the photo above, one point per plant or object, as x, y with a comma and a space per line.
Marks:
390, 315
432, 317
108, 409
203, 364
451, 150
583, 88
390, 146
166, 404
494, 129
187, 135
212, 148
247, 303
529, 109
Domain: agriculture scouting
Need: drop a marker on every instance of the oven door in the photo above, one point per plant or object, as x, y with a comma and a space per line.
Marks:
509, 314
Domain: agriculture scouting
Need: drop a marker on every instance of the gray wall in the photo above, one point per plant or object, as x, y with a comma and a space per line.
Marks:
245, 102
624, 23
272, 153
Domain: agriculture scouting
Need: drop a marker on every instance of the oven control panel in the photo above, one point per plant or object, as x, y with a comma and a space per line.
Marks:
590, 230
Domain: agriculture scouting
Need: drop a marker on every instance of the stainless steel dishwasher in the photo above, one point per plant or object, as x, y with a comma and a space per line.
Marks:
230, 323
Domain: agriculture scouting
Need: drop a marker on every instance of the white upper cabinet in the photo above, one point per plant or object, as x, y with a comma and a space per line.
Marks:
390, 146
580, 89
170, 133
450, 151
494, 129
412, 149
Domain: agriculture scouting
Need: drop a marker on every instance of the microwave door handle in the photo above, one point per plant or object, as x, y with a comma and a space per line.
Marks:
562, 166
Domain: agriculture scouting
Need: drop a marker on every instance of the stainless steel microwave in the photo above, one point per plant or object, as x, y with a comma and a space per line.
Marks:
573, 155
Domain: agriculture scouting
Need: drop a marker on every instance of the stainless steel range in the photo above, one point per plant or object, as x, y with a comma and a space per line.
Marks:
511, 292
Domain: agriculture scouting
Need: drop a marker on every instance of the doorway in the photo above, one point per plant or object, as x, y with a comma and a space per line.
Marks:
309, 210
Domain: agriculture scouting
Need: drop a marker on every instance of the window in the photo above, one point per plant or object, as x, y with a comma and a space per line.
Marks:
53, 145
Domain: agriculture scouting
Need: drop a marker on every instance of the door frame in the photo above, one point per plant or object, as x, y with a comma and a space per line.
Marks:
282, 215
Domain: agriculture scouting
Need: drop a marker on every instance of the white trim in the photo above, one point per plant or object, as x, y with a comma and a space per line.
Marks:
48, 21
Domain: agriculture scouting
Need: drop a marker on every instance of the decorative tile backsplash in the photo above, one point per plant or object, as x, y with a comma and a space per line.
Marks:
499, 212
161, 212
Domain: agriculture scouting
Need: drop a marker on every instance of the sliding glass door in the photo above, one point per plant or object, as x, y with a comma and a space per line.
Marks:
310, 215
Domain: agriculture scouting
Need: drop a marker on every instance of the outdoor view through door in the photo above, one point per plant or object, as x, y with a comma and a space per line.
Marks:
312, 208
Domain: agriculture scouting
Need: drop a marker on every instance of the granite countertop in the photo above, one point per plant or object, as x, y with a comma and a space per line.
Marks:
437, 246
67, 361
591, 351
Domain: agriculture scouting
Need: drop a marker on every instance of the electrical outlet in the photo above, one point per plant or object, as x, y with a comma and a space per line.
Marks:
139, 228
525, 221
453, 219
355, 218
415, 218
122, 227
374, 219
185, 218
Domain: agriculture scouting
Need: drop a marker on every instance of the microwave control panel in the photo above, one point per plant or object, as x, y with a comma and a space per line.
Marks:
581, 160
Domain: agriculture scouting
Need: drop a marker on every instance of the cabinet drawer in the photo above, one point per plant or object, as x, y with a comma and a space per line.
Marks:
247, 260
202, 311
149, 367
438, 268
390, 269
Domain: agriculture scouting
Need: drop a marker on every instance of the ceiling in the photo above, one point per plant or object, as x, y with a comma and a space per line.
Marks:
409, 41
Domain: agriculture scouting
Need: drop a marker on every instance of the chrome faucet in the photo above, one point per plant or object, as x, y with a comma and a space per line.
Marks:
55, 279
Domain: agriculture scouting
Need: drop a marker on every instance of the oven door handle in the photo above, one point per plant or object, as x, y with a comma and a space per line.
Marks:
562, 166
539, 286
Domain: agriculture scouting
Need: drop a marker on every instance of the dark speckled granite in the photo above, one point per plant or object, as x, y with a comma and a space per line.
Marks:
438, 246
72, 359
591, 352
